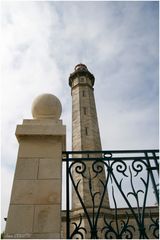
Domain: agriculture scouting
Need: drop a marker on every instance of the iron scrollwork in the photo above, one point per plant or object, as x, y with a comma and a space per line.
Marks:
94, 222
78, 230
117, 229
96, 167
155, 226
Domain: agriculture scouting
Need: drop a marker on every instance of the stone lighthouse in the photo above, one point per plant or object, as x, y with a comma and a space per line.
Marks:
85, 137
85, 130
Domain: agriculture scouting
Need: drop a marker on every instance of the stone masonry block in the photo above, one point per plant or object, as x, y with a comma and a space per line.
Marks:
20, 219
47, 219
40, 147
50, 168
36, 192
27, 168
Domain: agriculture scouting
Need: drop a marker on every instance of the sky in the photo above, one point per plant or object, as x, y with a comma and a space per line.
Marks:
41, 44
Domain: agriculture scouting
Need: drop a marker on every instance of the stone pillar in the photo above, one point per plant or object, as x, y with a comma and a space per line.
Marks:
35, 205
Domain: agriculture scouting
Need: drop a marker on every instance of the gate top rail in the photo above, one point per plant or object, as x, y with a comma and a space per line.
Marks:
113, 151
111, 154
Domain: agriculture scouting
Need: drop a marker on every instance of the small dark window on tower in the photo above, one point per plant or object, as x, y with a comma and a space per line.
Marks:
82, 79
84, 110
86, 130
83, 93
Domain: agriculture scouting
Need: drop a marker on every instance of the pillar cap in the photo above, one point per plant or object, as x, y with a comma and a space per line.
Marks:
46, 106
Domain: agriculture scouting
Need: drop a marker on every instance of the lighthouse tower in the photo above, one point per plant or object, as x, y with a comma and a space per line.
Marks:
85, 130
85, 135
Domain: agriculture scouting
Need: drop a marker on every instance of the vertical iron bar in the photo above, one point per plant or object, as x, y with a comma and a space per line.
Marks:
67, 198
156, 161
152, 177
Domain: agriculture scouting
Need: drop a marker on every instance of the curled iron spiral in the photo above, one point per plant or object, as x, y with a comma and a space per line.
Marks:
78, 229
80, 169
138, 166
121, 166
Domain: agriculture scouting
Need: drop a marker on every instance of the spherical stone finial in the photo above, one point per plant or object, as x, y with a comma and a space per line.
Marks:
46, 106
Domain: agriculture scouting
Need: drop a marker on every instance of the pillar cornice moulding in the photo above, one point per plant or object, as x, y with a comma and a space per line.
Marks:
42, 127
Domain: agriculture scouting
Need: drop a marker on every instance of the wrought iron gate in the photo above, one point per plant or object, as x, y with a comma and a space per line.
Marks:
131, 176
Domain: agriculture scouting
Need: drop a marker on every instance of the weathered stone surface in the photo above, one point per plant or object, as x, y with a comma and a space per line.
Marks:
47, 219
49, 168
36, 130
36, 192
20, 219
40, 147
46, 106
27, 168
